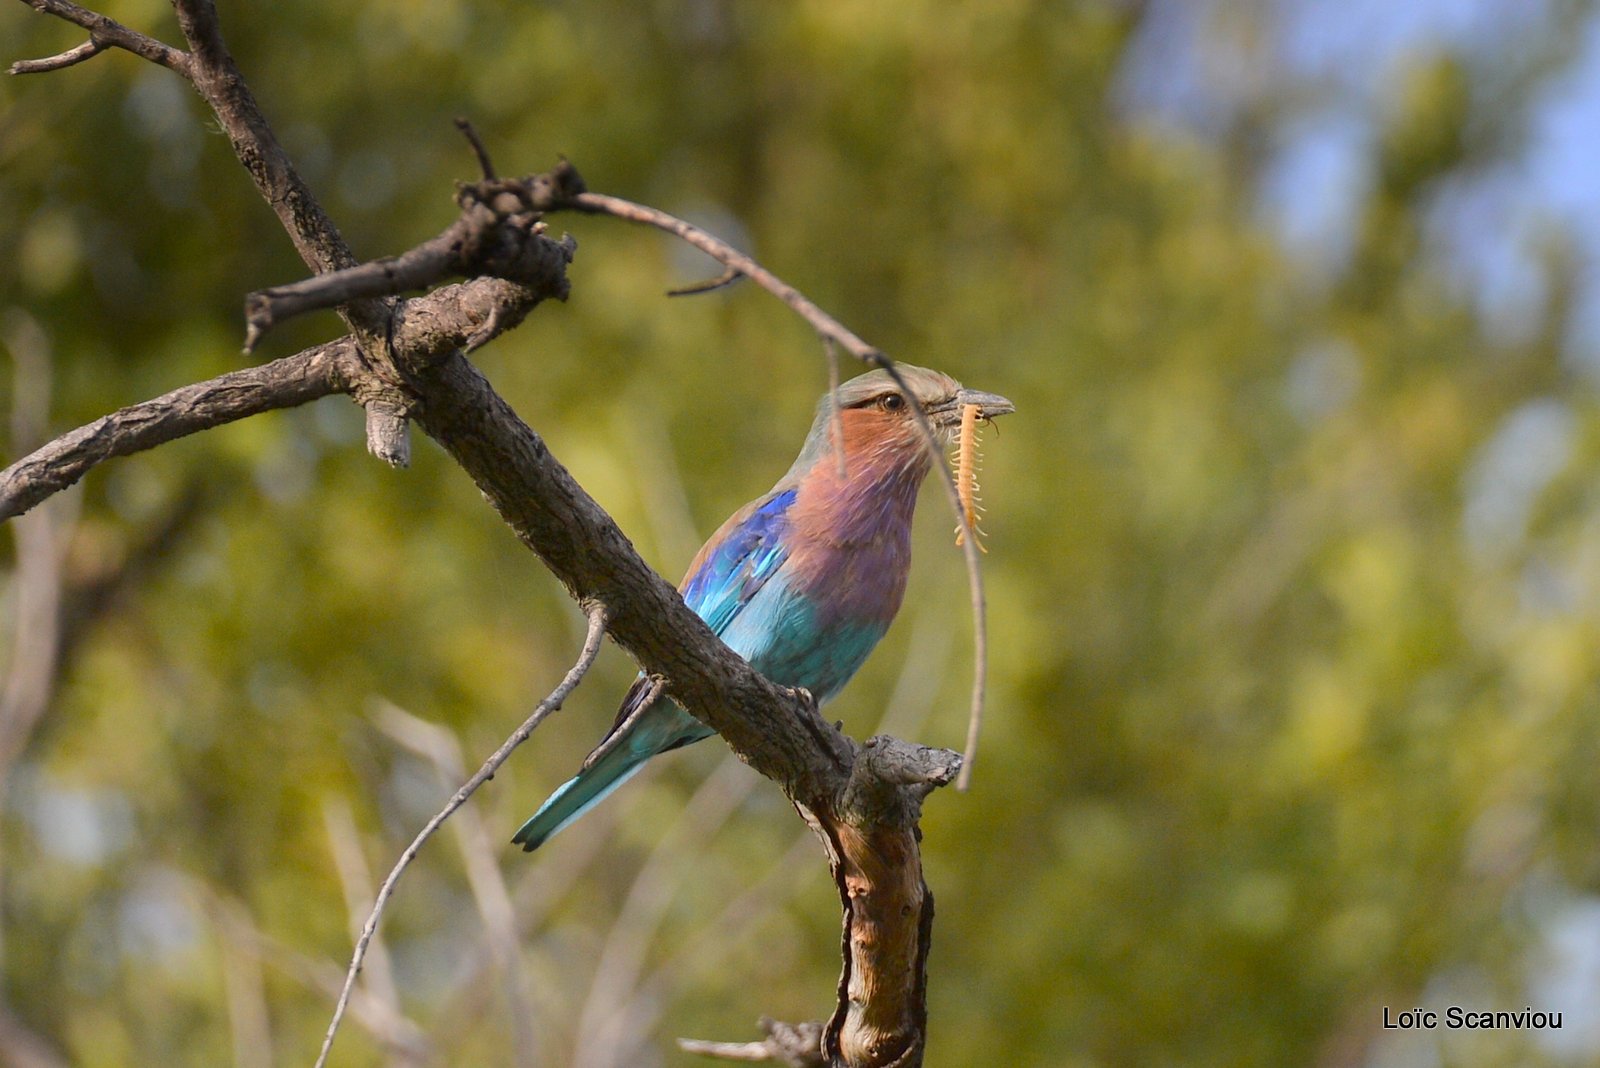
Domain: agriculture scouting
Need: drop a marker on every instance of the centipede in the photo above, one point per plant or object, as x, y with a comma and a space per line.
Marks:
967, 476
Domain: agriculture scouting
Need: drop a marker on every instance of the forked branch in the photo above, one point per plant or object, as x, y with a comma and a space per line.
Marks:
103, 33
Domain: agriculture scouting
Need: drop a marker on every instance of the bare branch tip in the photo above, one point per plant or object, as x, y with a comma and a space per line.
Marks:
726, 278
464, 124
258, 318
726, 1051
388, 433
795, 1045
88, 50
964, 779
569, 183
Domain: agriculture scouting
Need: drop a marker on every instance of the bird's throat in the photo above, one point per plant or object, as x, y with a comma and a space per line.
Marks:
873, 501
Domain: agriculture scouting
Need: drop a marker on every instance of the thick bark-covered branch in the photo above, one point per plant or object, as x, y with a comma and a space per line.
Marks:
218, 80
425, 330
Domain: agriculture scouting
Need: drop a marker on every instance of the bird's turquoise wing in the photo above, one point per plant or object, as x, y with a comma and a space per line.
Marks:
738, 560
728, 572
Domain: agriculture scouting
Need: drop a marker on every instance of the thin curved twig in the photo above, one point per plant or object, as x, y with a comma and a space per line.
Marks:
835, 416
710, 285
440, 748
586, 658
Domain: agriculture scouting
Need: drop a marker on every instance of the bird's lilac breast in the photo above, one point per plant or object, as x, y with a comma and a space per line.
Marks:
860, 582
850, 540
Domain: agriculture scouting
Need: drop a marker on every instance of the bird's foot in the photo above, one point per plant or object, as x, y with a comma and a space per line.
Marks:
805, 696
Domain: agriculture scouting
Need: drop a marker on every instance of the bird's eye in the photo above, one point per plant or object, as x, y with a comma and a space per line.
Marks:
891, 402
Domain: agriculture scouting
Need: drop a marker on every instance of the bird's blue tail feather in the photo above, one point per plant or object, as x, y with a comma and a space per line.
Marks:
579, 794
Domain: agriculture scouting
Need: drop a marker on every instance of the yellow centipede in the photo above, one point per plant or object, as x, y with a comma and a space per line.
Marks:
967, 474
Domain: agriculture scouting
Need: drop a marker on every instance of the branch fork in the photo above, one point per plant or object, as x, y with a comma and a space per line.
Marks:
500, 233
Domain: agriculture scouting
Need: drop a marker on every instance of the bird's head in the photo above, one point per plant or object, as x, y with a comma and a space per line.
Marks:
878, 421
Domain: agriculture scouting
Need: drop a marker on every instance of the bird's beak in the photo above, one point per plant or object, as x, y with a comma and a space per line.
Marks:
947, 414
989, 404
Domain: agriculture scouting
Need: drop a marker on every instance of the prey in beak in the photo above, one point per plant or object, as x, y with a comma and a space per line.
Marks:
949, 413
961, 418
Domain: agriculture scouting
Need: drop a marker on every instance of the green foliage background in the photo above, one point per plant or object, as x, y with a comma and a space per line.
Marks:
1278, 735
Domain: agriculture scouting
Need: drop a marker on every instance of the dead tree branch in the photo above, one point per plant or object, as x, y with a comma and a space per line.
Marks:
284, 383
106, 33
710, 285
88, 50
498, 234
798, 1046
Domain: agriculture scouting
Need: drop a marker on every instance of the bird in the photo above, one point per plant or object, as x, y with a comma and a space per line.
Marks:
804, 580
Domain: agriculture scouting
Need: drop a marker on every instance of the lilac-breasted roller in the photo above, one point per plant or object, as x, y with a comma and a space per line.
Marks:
803, 580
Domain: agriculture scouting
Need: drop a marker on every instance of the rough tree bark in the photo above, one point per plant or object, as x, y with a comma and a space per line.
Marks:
405, 361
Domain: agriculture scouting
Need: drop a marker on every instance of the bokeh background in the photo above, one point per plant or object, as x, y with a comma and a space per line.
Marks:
1295, 541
